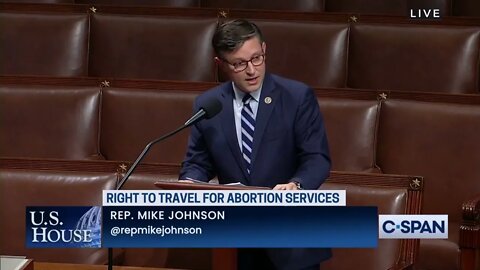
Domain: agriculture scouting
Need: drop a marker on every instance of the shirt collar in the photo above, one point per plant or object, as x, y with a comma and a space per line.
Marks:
240, 94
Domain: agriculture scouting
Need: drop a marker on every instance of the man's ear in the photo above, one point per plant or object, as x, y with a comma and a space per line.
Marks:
264, 47
220, 75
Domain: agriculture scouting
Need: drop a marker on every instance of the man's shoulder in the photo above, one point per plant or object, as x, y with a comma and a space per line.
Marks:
214, 92
289, 83
294, 89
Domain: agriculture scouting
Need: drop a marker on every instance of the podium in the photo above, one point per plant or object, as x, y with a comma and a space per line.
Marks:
222, 258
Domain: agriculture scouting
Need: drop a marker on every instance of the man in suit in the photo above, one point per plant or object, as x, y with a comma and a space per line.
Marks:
270, 133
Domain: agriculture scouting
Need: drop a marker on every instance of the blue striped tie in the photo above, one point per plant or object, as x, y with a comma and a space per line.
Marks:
248, 129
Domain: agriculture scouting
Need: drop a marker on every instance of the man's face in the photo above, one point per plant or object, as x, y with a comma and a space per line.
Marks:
250, 79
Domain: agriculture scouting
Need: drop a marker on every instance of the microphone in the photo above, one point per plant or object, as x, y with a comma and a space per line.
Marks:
208, 109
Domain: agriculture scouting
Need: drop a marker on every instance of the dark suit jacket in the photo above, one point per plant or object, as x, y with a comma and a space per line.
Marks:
290, 143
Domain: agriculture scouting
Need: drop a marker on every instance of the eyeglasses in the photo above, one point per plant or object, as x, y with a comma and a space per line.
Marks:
242, 65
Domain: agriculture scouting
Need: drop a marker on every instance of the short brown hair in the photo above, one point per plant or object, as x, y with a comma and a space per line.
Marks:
231, 35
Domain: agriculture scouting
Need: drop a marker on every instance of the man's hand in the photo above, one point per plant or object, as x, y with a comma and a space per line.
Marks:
289, 186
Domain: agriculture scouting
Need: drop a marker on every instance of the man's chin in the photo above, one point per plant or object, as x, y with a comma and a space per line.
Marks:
249, 88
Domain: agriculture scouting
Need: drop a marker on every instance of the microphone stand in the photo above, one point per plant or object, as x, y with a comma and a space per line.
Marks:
211, 108
144, 152
138, 160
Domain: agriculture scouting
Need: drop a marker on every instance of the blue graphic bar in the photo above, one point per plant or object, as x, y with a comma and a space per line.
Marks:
241, 227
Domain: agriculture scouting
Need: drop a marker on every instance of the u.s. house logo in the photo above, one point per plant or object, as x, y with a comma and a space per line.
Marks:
62, 226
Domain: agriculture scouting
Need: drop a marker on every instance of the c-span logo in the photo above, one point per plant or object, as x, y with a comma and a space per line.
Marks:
413, 226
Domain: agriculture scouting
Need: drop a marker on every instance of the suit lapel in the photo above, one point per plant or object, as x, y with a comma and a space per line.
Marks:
267, 101
229, 130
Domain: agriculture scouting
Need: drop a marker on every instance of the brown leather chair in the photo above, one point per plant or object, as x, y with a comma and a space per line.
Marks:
351, 129
440, 142
49, 121
316, 53
392, 194
299, 5
151, 47
44, 44
133, 117
414, 58
21, 188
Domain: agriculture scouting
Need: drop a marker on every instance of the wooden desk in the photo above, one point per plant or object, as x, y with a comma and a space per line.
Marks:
69, 266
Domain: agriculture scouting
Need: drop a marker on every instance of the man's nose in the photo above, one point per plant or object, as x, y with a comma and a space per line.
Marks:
250, 68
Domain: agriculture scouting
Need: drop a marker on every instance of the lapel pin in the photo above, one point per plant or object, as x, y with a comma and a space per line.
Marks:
268, 100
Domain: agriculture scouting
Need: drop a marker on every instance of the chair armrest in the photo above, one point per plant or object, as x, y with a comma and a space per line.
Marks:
470, 226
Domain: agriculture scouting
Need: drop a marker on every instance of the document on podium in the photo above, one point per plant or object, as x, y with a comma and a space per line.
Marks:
235, 184
192, 184
214, 183
15, 263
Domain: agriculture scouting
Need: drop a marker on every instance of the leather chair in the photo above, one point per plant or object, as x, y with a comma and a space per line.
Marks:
392, 194
21, 188
44, 44
351, 130
414, 58
315, 54
389, 201
49, 121
132, 118
440, 142
151, 47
